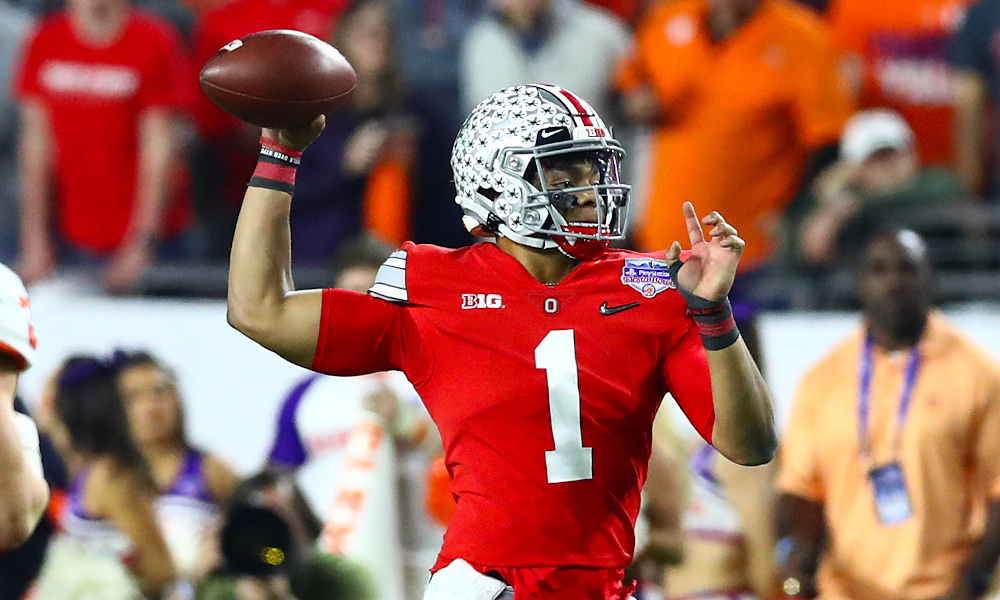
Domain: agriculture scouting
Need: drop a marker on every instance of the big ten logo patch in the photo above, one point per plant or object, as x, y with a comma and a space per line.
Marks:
481, 301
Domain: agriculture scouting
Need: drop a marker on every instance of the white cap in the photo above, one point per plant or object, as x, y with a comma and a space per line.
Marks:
869, 131
17, 336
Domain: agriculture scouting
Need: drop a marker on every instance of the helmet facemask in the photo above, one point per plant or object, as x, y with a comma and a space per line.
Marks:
575, 195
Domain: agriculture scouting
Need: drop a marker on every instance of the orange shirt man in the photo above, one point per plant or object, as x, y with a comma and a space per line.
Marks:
736, 119
933, 415
899, 59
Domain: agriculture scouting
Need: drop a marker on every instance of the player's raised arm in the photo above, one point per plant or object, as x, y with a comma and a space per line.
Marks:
263, 303
744, 429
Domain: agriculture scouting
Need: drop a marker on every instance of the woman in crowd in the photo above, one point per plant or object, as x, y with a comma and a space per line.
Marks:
192, 483
110, 547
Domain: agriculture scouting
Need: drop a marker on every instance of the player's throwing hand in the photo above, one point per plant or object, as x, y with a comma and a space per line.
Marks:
710, 270
300, 137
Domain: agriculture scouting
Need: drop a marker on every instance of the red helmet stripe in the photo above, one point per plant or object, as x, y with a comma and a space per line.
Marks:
578, 105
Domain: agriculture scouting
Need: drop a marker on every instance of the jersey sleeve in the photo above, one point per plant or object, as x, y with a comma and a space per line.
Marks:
800, 472
361, 334
288, 449
390, 281
685, 371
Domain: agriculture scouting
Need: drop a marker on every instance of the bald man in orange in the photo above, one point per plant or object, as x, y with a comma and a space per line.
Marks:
741, 94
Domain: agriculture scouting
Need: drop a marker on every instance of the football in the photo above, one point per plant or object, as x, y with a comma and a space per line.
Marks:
278, 79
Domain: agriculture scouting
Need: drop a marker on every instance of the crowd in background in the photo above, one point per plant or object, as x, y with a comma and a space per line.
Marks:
118, 161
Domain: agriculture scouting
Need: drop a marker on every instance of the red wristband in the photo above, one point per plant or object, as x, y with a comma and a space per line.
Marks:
715, 324
276, 167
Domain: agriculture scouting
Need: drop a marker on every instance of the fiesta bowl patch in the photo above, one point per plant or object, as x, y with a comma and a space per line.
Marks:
648, 276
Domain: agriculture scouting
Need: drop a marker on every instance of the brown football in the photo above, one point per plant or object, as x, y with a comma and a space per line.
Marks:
278, 78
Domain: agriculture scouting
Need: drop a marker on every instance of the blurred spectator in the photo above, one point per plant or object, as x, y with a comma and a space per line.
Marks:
562, 42
743, 96
728, 541
19, 567
227, 154
99, 87
628, 11
23, 492
429, 36
977, 65
818, 5
192, 483
257, 550
174, 12
878, 175
15, 25
26, 454
658, 540
356, 175
897, 57
110, 546
268, 511
891, 456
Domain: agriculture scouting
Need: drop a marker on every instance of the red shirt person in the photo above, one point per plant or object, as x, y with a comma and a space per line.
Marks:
99, 86
542, 359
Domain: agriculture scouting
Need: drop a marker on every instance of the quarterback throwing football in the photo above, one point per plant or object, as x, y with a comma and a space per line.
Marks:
542, 358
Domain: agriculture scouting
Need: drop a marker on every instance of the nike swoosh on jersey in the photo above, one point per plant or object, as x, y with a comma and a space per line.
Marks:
611, 310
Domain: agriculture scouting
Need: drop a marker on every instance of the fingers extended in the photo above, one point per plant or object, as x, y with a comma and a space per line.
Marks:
695, 232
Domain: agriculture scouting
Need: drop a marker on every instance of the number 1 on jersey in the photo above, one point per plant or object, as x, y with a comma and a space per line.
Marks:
570, 461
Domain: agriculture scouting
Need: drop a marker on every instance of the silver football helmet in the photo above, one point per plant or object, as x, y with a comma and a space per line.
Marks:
499, 158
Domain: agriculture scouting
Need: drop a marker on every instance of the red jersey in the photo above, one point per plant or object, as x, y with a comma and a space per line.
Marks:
94, 98
544, 396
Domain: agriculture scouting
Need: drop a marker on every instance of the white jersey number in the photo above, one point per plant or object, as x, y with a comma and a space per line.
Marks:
570, 461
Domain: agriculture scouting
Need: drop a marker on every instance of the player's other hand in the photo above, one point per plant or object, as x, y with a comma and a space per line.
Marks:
710, 270
300, 137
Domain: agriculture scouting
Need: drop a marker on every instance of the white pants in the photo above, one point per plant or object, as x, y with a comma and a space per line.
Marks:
459, 581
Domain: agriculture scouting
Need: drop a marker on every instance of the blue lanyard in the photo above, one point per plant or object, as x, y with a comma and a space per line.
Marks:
864, 396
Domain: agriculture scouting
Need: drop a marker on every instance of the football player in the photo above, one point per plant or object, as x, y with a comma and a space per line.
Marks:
23, 491
542, 358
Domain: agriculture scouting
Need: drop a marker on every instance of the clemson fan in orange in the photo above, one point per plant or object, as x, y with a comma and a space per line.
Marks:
740, 94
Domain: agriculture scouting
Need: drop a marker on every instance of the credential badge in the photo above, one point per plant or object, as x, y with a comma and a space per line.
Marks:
648, 276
